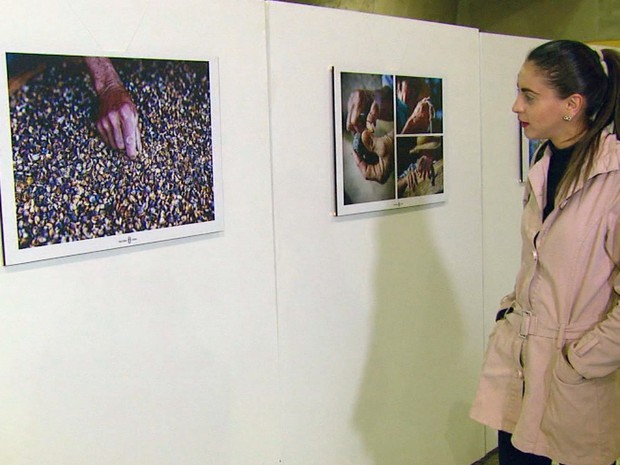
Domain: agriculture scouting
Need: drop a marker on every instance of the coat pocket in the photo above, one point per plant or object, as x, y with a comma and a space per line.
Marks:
570, 419
566, 373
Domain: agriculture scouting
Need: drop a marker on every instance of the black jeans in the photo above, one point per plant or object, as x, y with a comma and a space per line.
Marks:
510, 455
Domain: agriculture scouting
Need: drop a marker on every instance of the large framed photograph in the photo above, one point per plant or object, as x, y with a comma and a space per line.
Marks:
389, 141
105, 152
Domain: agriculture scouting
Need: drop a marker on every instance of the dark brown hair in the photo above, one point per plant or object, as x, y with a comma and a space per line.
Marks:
572, 67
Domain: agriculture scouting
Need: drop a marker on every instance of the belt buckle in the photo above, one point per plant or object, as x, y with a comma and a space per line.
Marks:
524, 329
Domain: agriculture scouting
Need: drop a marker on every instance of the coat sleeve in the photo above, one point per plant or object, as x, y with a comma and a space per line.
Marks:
505, 305
508, 300
597, 353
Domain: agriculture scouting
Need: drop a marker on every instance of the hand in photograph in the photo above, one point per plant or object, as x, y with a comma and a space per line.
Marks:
420, 119
427, 151
415, 109
383, 148
407, 183
425, 166
358, 108
117, 121
410, 90
366, 107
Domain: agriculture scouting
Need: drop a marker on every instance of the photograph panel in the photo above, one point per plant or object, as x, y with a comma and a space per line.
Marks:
367, 137
419, 105
420, 166
388, 141
108, 148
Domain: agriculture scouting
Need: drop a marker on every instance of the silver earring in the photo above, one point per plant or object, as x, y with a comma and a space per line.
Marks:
567, 117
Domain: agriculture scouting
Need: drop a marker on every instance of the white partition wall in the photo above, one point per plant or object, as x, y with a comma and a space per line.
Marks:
500, 60
167, 353
379, 314
292, 336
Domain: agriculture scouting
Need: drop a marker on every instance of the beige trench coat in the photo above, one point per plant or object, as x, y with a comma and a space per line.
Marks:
550, 374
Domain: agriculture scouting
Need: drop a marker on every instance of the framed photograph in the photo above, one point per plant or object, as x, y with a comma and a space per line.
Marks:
389, 141
528, 149
106, 152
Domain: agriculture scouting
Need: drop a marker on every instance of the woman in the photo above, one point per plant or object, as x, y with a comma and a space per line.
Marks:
550, 381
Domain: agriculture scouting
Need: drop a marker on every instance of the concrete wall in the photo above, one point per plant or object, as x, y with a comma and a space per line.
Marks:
576, 19
442, 11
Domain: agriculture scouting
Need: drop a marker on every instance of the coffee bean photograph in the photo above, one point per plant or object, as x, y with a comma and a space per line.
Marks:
108, 148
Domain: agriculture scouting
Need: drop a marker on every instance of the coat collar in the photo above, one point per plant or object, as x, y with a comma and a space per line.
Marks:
607, 160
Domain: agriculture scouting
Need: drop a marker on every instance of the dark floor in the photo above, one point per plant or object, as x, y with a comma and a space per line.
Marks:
489, 459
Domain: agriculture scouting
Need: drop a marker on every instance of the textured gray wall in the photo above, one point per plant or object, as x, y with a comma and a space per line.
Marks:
586, 20
440, 11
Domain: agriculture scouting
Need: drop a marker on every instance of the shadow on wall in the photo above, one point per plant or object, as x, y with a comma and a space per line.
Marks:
410, 409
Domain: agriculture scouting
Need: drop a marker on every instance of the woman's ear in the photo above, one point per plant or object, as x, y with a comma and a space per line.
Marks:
575, 104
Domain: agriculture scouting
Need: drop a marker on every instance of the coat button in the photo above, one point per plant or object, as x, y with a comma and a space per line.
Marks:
520, 374
535, 254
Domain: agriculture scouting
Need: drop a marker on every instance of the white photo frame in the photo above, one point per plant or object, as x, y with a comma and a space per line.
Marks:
64, 191
402, 119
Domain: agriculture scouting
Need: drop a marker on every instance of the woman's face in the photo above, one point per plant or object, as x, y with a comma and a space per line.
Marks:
539, 109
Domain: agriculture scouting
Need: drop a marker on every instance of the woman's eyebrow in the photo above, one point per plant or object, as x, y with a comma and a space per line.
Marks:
526, 89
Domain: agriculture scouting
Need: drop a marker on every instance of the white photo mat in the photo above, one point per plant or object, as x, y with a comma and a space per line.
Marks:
65, 193
403, 175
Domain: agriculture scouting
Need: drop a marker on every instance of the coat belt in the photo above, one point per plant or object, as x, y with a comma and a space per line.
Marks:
526, 323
